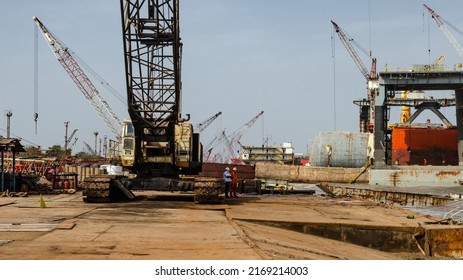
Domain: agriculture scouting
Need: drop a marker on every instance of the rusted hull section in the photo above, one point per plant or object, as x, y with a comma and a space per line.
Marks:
399, 238
424, 146
444, 242
386, 197
439, 239
215, 170
310, 174
449, 176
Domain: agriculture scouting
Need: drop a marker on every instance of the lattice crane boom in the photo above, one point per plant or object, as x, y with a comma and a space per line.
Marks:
371, 77
73, 143
228, 145
64, 56
70, 137
90, 150
164, 142
204, 124
212, 145
346, 41
236, 136
234, 139
443, 28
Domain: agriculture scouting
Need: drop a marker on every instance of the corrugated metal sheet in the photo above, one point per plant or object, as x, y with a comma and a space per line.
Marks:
349, 149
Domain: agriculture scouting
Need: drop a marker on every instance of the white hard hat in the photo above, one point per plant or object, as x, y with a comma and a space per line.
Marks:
226, 168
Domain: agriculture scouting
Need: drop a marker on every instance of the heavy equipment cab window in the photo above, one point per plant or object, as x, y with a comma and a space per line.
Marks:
128, 144
129, 130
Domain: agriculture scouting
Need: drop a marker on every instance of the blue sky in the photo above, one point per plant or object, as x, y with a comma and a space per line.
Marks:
239, 57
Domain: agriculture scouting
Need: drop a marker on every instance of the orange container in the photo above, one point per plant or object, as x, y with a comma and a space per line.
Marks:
424, 146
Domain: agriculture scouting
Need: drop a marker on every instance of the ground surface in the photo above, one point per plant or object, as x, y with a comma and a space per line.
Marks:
174, 228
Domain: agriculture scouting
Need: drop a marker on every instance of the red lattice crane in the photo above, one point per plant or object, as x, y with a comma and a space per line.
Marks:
233, 141
212, 145
370, 76
64, 56
347, 42
440, 23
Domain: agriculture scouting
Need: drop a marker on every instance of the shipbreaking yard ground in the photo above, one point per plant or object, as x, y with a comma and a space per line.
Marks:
170, 226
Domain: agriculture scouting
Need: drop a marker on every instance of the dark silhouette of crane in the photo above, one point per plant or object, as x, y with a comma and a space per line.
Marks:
200, 127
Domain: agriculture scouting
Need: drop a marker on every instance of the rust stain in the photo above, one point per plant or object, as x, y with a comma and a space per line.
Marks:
388, 197
448, 173
394, 177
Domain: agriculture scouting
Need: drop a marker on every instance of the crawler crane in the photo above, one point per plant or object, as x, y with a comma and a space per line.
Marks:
165, 148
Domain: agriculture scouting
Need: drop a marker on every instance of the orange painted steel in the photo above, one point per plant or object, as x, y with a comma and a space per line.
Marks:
424, 146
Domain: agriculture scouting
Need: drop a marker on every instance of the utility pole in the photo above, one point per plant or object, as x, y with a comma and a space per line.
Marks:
99, 151
96, 138
8, 116
105, 147
66, 124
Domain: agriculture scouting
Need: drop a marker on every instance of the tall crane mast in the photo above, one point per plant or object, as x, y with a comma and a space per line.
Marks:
370, 76
200, 127
443, 28
68, 140
64, 56
156, 141
346, 41
152, 55
163, 140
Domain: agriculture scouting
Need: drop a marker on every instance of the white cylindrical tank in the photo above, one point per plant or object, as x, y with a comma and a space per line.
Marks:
348, 149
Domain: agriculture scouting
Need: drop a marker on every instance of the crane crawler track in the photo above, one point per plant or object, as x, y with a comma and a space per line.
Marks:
105, 188
207, 190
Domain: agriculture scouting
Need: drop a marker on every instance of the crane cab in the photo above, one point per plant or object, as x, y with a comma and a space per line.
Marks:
186, 154
128, 144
